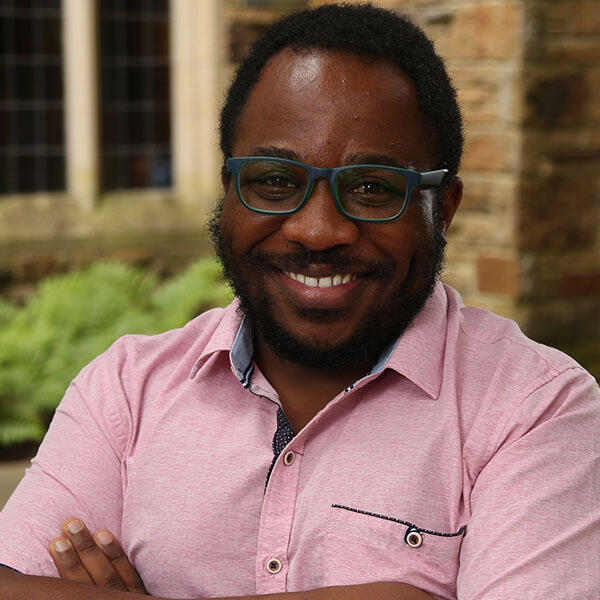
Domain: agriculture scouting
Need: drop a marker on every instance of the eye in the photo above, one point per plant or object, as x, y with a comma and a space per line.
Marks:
370, 188
275, 181
273, 186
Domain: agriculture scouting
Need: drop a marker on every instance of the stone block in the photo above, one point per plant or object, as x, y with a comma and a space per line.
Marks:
491, 150
579, 284
487, 94
555, 99
498, 275
569, 151
493, 194
575, 17
557, 213
593, 86
487, 30
561, 51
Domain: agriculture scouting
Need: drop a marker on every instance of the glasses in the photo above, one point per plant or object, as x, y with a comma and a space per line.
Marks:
373, 193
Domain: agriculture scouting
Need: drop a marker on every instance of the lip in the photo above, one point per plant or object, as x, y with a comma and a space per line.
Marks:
334, 297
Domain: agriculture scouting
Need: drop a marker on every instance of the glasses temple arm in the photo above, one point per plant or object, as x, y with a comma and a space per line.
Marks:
433, 177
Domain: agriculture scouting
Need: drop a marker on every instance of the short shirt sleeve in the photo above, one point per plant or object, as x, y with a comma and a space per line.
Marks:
76, 473
534, 530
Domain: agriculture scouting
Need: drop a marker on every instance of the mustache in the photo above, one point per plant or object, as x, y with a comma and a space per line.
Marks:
304, 258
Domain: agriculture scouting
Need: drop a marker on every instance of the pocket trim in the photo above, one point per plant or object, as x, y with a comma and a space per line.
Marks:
411, 526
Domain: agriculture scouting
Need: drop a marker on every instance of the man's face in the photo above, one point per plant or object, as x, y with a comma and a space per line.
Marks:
320, 289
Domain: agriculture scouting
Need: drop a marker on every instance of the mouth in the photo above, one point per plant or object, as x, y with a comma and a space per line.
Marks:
321, 282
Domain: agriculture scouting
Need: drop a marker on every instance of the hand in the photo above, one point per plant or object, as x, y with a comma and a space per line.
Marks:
97, 560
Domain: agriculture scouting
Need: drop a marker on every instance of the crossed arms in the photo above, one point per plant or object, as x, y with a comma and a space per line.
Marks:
96, 568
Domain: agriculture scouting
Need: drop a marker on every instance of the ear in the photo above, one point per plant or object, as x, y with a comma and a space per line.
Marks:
450, 198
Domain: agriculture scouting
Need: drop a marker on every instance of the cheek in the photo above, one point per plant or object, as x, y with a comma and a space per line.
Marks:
242, 228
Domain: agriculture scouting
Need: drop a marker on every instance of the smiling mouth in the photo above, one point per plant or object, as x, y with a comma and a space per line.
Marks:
321, 282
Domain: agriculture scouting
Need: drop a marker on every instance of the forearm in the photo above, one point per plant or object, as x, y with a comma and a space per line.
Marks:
15, 586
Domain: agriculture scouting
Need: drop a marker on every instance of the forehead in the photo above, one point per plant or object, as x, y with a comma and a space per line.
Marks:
331, 104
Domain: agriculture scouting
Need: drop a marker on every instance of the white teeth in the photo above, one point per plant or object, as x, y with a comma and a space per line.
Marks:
322, 282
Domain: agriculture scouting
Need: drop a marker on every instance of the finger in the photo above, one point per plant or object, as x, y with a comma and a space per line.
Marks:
67, 561
92, 558
113, 551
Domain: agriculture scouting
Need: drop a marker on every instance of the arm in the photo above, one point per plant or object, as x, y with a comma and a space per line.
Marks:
15, 586
77, 464
534, 530
100, 561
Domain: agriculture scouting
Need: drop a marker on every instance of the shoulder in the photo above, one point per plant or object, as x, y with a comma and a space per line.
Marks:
495, 348
508, 385
133, 360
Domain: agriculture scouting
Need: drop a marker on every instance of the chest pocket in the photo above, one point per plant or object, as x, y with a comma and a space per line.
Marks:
361, 546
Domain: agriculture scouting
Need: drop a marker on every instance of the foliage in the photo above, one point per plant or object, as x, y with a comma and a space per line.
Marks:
72, 318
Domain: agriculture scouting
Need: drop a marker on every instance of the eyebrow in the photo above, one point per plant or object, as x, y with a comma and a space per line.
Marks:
275, 152
378, 159
354, 159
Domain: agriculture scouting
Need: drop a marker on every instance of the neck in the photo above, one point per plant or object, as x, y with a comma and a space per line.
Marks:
303, 391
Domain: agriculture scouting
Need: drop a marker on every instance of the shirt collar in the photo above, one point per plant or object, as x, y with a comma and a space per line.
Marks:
224, 337
417, 354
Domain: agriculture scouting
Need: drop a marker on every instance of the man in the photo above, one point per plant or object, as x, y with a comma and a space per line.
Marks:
352, 430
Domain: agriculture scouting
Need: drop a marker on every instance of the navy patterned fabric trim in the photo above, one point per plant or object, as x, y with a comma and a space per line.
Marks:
283, 436
410, 525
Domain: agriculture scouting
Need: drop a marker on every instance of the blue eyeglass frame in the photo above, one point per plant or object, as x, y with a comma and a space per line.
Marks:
413, 180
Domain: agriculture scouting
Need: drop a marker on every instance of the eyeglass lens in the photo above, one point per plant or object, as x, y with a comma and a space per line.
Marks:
364, 192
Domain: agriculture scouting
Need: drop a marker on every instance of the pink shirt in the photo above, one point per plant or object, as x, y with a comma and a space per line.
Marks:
482, 444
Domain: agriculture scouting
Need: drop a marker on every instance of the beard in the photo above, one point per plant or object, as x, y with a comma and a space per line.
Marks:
384, 324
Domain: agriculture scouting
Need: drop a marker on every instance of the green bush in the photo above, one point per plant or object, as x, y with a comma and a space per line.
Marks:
72, 318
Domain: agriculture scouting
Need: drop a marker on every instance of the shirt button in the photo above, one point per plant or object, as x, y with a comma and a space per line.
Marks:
274, 566
288, 458
413, 538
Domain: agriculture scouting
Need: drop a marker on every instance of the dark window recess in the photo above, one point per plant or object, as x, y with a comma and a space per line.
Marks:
135, 96
32, 139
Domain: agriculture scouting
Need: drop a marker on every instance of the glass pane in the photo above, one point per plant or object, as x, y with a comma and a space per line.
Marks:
134, 71
25, 79
53, 84
26, 173
26, 127
23, 35
55, 170
55, 127
4, 171
31, 120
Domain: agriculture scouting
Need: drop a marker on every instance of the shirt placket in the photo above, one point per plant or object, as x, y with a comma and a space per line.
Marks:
277, 516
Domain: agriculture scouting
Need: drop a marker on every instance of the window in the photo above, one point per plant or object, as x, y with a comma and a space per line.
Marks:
135, 95
32, 153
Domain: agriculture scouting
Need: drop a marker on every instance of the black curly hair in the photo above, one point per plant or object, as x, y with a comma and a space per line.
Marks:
366, 31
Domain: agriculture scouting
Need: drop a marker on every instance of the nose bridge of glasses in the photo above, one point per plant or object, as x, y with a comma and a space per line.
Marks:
316, 173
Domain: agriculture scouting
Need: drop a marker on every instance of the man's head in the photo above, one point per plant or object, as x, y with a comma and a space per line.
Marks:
375, 34
326, 88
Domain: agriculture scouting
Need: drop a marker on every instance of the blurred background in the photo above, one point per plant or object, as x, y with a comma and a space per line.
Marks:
108, 152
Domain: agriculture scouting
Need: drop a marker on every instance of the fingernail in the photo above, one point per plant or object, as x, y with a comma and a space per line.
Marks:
104, 537
75, 526
61, 545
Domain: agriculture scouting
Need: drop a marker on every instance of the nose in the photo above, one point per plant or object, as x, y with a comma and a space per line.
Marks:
319, 225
